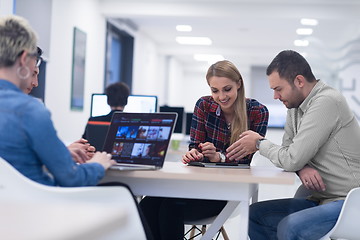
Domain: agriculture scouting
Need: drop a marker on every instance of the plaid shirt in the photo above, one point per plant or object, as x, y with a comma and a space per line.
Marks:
209, 125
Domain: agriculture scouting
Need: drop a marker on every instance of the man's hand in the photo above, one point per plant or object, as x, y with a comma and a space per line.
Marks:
311, 179
244, 146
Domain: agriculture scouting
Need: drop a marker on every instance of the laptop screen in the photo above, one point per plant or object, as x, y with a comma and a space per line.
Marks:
140, 138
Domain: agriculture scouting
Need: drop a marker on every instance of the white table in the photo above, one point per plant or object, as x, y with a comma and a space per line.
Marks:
175, 179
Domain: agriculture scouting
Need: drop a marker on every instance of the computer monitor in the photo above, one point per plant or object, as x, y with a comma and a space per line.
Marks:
136, 103
180, 119
188, 123
277, 115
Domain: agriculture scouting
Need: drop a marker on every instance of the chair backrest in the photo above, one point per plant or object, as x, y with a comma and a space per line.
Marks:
347, 225
96, 133
15, 187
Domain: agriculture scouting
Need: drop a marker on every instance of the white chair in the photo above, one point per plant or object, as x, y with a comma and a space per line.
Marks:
202, 230
346, 226
231, 210
16, 188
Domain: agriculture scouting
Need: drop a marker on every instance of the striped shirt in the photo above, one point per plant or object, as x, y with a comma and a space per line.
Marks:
324, 134
209, 124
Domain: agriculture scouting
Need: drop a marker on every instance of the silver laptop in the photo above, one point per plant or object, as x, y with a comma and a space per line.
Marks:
139, 141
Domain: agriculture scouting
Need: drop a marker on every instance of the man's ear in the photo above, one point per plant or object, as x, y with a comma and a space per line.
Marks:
299, 81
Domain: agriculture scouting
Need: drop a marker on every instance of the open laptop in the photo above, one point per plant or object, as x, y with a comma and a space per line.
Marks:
219, 165
139, 141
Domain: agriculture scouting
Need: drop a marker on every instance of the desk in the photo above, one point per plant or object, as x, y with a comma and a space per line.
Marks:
70, 221
238, 186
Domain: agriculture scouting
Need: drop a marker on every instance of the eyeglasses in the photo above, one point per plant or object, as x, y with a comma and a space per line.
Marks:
38, 57
38, 61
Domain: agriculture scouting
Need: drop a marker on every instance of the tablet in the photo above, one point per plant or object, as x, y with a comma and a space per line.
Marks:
219, 165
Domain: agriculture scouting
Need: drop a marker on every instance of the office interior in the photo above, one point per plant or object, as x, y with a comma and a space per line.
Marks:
162, 67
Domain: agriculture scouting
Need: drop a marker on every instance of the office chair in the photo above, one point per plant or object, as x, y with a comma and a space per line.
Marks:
15, 187
96, 133
207, 221
346, 226
202, 230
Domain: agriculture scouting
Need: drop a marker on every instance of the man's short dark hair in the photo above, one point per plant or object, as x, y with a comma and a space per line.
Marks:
117, 94
289, 64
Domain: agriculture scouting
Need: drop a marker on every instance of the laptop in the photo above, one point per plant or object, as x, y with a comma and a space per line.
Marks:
139, 141
219, 165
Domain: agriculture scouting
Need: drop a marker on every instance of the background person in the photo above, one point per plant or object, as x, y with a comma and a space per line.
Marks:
320, 142
28, 140
218, 120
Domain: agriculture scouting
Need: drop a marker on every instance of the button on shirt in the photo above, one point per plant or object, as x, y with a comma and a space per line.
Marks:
28, 141
324, 134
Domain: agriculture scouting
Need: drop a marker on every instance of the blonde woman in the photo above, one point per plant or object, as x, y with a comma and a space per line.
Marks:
217, 123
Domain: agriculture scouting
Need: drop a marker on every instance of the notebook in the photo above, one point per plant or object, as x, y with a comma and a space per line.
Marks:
219, 165
139, 141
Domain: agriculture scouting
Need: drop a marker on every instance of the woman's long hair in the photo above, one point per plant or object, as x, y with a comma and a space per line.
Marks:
227, 69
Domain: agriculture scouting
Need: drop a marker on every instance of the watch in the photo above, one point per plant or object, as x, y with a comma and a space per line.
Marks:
222, 157
258, 143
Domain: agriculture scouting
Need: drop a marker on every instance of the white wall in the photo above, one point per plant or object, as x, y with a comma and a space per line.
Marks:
66, 15
148, 69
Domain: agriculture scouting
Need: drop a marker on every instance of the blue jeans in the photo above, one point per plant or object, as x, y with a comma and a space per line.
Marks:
290, 219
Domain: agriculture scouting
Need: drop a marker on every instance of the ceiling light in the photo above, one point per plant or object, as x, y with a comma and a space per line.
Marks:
304, 31
301, 43
183, 28
309, 22
210, 58
194, 40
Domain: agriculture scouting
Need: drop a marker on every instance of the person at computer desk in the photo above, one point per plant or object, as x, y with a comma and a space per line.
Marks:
28, 140
80, 150
217, 123
117, 98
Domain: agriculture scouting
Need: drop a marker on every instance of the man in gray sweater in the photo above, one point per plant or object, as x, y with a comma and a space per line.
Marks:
320, 143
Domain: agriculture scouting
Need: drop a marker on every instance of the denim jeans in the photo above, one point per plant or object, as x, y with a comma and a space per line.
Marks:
290, 219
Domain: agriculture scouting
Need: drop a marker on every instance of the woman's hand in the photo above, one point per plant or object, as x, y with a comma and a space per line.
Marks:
102, 158
81, 150
209, 150
192, 155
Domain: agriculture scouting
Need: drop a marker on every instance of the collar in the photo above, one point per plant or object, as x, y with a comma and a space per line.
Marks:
5, 84
305, 104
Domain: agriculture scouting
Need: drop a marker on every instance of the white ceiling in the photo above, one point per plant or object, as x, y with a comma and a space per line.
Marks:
247, 32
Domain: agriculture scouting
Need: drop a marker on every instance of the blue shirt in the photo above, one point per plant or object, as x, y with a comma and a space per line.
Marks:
29, 142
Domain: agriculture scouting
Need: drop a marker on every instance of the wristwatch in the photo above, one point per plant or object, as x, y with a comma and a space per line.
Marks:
222, 157
258, 143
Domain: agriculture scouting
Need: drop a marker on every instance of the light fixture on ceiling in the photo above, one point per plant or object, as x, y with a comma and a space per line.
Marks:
301, 43
309, 22
194, 40
183, 28
304, 31
210, 58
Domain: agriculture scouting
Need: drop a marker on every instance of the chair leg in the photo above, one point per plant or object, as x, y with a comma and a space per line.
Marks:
223, 232
203, 229
192, 233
